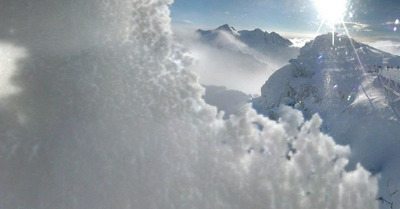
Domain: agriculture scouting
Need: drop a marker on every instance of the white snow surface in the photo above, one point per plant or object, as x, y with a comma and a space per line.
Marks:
108, 116
329, 80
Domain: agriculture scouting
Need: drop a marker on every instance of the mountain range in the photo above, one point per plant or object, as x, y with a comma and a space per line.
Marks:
266, 46
237, 56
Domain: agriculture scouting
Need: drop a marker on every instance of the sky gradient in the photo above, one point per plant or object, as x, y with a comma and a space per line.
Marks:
373, 19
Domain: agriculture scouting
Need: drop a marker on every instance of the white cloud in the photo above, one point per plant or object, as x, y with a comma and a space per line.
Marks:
395, 22
388, 23
9, 57
358, 26
188, 21
299, 42
387, 46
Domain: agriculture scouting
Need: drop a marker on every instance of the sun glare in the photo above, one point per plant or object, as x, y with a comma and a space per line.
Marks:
331, 11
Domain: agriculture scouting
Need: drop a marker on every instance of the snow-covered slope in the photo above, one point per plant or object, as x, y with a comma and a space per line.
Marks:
330, 81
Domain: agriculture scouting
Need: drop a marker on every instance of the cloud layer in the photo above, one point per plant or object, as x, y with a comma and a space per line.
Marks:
387, 46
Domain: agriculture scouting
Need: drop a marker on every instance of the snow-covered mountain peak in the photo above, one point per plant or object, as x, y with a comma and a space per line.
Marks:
224, 27
259, 31
329, 80
325, 74
227, 28
342, 51
279, 39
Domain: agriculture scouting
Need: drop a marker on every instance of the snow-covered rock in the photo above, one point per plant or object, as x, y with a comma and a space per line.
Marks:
325, 74
329, 80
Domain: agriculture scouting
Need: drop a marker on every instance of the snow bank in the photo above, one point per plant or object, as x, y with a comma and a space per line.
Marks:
120, 123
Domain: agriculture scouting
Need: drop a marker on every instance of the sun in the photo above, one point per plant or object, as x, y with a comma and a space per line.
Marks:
331, 11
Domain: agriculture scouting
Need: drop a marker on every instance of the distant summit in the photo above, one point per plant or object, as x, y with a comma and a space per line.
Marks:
257, 36
226, 27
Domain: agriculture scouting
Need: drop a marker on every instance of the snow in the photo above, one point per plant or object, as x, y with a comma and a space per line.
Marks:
119, 122
392, 74
328, 80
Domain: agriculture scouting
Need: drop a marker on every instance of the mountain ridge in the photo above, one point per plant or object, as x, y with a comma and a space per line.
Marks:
270, 38
271, 46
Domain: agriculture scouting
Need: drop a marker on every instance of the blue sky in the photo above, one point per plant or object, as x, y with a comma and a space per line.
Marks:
367, 18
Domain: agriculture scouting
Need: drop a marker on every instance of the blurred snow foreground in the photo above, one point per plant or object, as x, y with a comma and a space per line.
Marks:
106, 116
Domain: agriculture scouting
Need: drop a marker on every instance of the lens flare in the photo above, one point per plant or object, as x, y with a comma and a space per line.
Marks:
331, 11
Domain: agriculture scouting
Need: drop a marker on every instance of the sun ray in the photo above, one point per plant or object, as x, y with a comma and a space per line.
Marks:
317, 33
331, 12
333, 35
354, 48
361, 65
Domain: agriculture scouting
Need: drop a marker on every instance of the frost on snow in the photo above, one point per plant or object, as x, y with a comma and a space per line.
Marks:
108, 117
